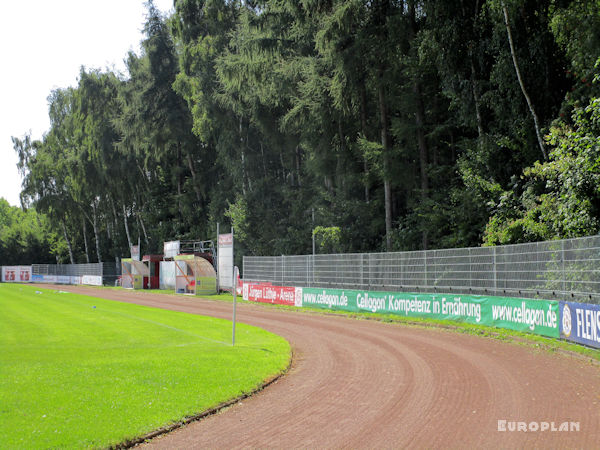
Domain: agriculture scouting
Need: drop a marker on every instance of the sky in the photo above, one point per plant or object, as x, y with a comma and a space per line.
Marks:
43, 45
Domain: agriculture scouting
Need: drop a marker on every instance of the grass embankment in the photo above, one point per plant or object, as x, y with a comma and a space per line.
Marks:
78, 371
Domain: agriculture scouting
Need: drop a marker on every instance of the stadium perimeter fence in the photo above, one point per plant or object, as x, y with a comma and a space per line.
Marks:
556, 270
109, 272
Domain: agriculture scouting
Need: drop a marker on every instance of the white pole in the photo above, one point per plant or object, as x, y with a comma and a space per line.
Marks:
234, 287
234, 307
313, 232
217, 262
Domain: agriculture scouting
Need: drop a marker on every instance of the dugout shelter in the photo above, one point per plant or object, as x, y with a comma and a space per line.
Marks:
195, 275
133, 273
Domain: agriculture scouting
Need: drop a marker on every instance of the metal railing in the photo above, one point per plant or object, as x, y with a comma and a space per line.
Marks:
108, 271
563, 269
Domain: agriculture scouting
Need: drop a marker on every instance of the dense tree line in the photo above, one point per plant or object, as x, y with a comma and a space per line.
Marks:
376, 125
26, 237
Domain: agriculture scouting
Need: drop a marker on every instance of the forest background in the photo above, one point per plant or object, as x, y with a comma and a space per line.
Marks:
372, 125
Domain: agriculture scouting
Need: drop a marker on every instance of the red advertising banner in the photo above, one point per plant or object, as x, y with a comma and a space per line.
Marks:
226, 240
267, 293
16, 274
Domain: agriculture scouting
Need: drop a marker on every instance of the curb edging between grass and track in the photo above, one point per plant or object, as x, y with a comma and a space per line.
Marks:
209, 412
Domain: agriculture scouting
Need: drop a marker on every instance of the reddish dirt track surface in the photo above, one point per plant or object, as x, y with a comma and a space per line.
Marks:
368, 384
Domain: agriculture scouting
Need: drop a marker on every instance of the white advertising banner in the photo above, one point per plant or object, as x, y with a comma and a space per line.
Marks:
49, 278
135, 252
93, 280
225, 255
63, 279
16, 274
171, 249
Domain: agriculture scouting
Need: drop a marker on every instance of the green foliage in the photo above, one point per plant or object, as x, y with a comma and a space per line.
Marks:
576, 27
27, 237
238, 214
373, 115
328, 239
560, 198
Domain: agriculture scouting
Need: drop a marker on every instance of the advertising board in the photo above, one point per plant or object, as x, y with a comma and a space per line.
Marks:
44, 278
580, 322
63, 279
16, 274
93, 280
535, 316
267, 293
135, 252
171, 249
225, 266
50, 278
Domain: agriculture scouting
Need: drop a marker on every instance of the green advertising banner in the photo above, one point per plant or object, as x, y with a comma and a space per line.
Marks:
534, 316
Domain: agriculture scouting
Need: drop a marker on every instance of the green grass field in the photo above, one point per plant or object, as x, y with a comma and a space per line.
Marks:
77, 371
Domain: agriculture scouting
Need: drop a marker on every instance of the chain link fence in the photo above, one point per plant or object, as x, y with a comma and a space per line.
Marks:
564, 269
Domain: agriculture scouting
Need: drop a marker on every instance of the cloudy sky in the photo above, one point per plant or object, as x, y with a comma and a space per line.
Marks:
44, 43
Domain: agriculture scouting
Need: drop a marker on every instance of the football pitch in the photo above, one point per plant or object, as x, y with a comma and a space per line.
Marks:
77, 371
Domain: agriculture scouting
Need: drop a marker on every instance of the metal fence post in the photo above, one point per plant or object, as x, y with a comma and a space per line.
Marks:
562, 259
369, 273
495, 268
470, 270
425, 267
362, 263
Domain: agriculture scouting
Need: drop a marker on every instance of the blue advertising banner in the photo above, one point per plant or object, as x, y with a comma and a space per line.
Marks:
580, 322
